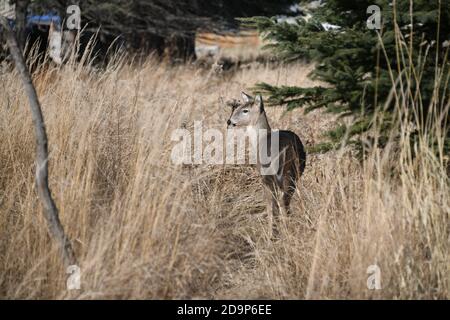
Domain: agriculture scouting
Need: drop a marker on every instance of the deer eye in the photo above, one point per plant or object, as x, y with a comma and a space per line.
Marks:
245, 111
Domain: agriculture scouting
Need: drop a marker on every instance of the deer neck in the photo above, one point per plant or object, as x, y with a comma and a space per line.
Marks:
261, 127
262, 123
264, 133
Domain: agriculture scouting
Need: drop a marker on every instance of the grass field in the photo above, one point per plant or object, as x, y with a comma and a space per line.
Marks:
145, 228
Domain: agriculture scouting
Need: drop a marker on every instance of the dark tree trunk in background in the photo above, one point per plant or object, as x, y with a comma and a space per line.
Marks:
180, 48
148, 43
21, 21
156, 44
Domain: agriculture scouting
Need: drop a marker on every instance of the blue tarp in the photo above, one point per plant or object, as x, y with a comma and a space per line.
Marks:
44, 19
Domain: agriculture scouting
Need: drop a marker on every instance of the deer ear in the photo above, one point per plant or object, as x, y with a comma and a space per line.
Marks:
259, 102
246, 97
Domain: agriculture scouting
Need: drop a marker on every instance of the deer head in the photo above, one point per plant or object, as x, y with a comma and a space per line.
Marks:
246, 113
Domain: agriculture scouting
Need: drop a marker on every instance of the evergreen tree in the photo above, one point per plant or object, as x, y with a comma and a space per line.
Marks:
360, 65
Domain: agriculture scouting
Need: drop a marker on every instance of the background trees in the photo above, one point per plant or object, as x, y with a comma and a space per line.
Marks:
366, 71
162, 24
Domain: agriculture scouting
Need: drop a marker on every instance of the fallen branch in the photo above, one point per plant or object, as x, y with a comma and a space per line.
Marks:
50, 210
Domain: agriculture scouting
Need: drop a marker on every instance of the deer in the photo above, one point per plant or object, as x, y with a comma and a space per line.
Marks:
289, 160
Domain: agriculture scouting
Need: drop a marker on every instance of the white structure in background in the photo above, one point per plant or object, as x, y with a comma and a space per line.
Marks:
7, 10
60, 43
207, 51
303, 11
55, 44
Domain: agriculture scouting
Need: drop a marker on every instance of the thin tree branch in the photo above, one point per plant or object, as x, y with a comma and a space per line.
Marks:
50, 210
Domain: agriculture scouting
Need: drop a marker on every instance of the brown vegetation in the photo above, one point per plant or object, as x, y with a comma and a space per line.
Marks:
145, 228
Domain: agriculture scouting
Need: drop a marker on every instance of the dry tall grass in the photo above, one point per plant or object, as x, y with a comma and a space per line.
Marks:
145, 228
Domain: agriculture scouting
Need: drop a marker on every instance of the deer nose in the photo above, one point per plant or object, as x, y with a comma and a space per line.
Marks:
230, 124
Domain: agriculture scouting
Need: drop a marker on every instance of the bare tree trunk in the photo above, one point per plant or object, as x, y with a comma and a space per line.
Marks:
50, 210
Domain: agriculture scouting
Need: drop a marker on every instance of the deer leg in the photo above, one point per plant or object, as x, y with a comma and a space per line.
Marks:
275, 205
289, 187
288, 194
273, 208
270, 211
276, 211
287, 197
